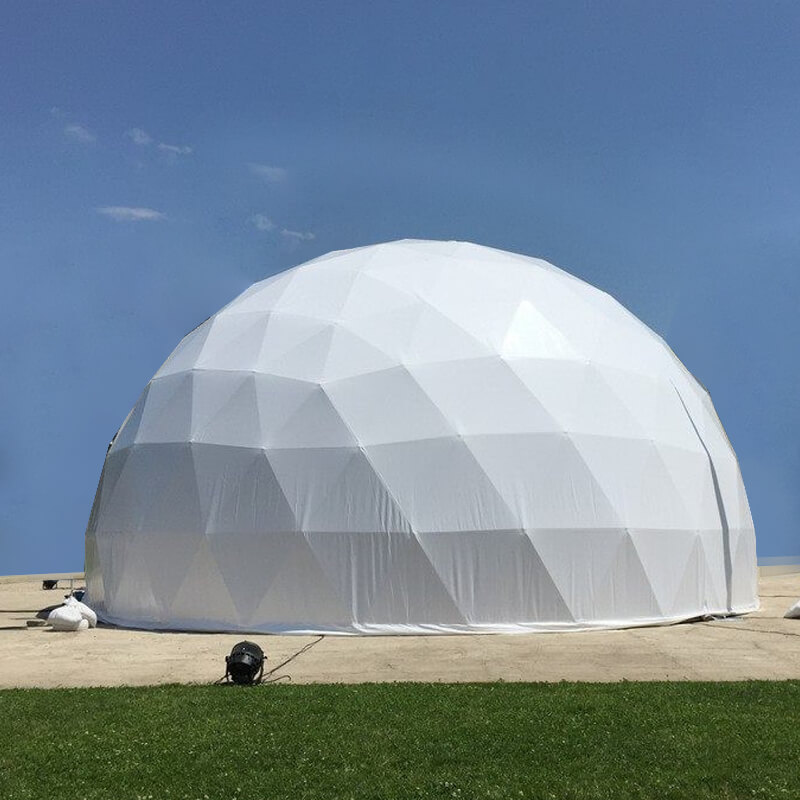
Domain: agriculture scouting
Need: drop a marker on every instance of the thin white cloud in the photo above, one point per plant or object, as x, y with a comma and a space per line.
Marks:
139, 136
268, 173
131, 214
303, 236
174, 149
79, 133
262, 222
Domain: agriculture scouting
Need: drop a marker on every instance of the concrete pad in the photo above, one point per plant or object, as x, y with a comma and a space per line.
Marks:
761, 645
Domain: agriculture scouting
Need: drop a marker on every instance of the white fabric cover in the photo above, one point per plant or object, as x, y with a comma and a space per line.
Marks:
793, 612
66, 618
420, 437
84, 610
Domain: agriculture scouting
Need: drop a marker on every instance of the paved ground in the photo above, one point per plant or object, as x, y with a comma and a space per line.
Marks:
761, 645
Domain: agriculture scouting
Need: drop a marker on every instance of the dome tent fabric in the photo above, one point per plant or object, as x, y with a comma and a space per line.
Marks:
419, 437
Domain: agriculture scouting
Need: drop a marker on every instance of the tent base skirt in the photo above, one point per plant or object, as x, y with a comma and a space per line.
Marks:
381, 629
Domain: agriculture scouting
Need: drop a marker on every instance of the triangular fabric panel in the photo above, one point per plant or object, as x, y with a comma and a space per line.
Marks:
314, 423
489, 576
665, 555
483, 396
532, 335
167, 561
226, 411
543, 480
744, 578
387, 406
126, 435
203, 599
239, 492
94, 570
249, 563
714, 560
128, 581
301, 595
306, 360
350, 355
355, 499
234, 342
418, 475
262, 296
167, 413
285, 332
691, 595
580, 565
412, 593
185, 355
633, 597
316, 293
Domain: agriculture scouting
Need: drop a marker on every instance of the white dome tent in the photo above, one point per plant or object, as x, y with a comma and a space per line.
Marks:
420, 437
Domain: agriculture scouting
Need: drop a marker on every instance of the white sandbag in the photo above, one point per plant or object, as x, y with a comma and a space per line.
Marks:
85, 611
83, 625
65, 618
793, 612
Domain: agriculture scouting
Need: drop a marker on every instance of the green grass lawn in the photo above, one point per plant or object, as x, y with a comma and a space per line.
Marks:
642, 740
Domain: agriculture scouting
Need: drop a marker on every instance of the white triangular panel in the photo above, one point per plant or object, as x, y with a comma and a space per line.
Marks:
544, 481
579, 562
126, 435
239, 492
411, 594
234, 342
468, 564
204, 598
314, 423
483, 396
166, 562
744, 584
284, 333
634, 597
185, 355
316, 293
665, 555
532, 335
249, 563
235, 422
131, 592
301, 597
350, 355
167, 413
439, 485
388, 406
304, 361
262, 296
691, 595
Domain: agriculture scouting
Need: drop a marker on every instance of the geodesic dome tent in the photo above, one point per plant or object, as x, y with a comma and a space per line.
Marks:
420, 437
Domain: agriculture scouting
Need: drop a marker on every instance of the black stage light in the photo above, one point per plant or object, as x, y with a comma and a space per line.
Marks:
245, 664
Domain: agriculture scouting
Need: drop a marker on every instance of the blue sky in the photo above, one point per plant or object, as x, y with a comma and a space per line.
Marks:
156, 158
